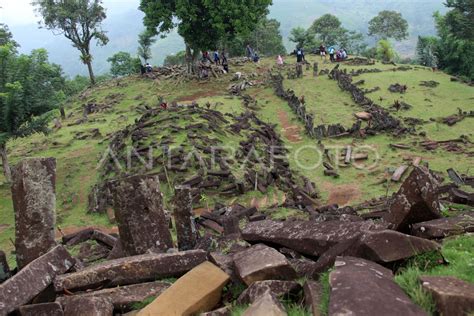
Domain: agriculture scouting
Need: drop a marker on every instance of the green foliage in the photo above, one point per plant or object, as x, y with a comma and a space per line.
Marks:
76, 85
328, 29
123, 64
385, 51
326, 290
460, 20
145, 41
266, 39
303, 38
79, 21
426, 51
6, 36
203, 23
144, 303
389, 24
176, 59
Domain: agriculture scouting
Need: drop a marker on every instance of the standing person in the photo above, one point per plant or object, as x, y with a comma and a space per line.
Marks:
148, 67
322, 51
225, 64
299, 55
279, 61
224, 56
217, 59
344, 54
331, 53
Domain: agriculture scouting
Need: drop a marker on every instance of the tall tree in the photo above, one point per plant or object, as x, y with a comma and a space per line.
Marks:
6, 36
123, 64
203, 23
328, 29
79, 21
303, 38
145, 41
30, 87
426, 53
460, 20
389, 24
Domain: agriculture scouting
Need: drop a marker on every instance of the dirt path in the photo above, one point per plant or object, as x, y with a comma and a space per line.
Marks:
342, 194
291, 132
198, 95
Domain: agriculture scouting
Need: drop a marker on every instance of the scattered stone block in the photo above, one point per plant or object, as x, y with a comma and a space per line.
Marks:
183, 216
78, 237
45, 309
277, 287
415, 202
361, 287
34, 201
444, 227
224, 311
131, 270
90, 306
104, 238
142, 223
33, 279
199, 290
122, 297
266, 305
259, 263
313, 297
452, 296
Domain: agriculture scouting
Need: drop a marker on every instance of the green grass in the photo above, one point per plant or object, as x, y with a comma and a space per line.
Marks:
458, 252
326, 290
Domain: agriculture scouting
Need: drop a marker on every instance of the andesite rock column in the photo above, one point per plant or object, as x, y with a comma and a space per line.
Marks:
183, 216
34, 202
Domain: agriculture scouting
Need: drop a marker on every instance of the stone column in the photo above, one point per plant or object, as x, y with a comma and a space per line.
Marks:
183, 216
34, 202
139, 213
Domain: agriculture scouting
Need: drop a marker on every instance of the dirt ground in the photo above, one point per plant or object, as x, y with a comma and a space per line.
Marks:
342, 194
291, 132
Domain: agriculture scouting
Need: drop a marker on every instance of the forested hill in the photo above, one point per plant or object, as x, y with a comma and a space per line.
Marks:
124, 25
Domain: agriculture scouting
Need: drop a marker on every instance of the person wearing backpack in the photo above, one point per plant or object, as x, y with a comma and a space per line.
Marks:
217, 59
331, 53
299, 55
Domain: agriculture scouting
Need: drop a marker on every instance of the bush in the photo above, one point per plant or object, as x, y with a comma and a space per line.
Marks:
176, 59
123, 64
385, 51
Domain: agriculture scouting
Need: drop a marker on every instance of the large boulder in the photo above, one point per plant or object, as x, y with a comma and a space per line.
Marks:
444, 227
131, 270
141, 220
361, 287
199, 290
307, 237
33, 279
452, 296
34, 201
260, 263
415, 202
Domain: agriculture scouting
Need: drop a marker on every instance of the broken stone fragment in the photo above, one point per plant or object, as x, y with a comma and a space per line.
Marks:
199, 290
259, 263
34, 201
224, 311
183, 216
122, 297
131, 270
142, 223
33, 279
46, 309
444, 227
266, 305
104, 238
313, 292
306, 237
78, 237
90, 306
361, 287
415, 202
452, 296
277, 287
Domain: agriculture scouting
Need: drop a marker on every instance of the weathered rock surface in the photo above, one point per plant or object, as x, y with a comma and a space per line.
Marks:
444, 227
415, 202
313, 297
199, 290
46, 309
361, 287
224, 311
259, 263
90, 306
4, 268
183, 216
277, 287
452, 296
34, 201
131, 270
33, 279
389, 246
142, 224
266, 305
306, 237
122, 297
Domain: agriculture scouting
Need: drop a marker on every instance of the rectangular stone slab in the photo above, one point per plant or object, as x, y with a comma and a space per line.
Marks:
33, 279
199, 290
444, 227
122, 297
307, 237
131, 270
46, 309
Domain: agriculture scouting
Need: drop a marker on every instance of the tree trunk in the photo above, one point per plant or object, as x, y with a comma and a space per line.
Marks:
6, 166
189, 59
91, 72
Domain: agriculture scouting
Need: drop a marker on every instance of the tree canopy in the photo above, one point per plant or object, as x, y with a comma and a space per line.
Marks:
145, 41
123, 64
328, 29
389, 24
303, 38
79, 21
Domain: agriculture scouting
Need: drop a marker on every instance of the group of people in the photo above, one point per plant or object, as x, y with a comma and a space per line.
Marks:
217, 58
334, 55
147, 68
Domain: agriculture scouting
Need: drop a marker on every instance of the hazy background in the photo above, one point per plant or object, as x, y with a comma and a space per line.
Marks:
124, 23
